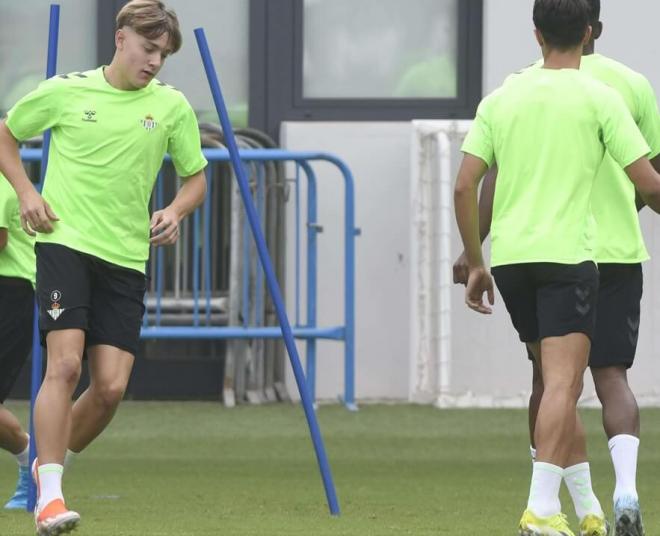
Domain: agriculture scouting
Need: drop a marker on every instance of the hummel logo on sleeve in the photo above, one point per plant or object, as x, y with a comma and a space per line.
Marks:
89, 116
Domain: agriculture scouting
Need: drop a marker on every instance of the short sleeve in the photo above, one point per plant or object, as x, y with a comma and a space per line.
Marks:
38, 111
184, 144
479, 140
7, 203
621, 135
649, 116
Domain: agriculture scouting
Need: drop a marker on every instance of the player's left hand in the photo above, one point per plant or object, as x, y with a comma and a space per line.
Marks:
479, 281
164, 227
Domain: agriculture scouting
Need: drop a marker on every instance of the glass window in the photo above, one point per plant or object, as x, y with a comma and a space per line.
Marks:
380, 49
24, 43
226, 24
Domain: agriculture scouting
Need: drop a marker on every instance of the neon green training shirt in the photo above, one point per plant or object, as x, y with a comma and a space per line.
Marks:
17, 257
548, 130
107, 147
620, 237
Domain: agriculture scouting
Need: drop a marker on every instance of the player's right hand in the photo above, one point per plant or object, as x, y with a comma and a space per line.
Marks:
461, 270
479, 281
36, 214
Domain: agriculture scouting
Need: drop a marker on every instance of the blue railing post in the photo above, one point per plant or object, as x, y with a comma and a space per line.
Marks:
312, 287
207, 244
51, 69
273, 286
344, 332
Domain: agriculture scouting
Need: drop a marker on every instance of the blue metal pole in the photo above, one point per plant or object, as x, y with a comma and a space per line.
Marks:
297, 190
273, 286
312, 230
51, 69
247, 271
259, 278
160, 257
196, 277
350, 232
34, 390
207, 243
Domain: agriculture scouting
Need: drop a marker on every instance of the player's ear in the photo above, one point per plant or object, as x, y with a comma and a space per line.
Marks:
539, 37
587, 36
597, 30
120, 37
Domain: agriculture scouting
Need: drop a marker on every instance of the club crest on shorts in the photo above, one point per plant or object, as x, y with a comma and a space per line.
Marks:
149, 123
55, 308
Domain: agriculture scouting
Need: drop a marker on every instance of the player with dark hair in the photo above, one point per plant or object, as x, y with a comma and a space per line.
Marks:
548, 129
619, 261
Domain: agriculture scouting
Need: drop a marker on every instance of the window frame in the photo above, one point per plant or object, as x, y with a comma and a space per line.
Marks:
276, 64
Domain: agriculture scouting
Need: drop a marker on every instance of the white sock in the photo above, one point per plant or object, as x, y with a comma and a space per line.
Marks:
50, 483
532, 451
623, 449
23, 458
544, 490
578, 482
69, 458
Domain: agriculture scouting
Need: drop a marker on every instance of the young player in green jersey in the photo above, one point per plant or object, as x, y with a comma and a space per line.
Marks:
111, 128
548, 129
619, 256
17, 278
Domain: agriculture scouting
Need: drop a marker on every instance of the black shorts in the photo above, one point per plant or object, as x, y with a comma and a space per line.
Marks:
617, 323
549, 299
16, 328
80, 291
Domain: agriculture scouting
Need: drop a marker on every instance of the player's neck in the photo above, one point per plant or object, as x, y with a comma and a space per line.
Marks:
562, 59
114, 77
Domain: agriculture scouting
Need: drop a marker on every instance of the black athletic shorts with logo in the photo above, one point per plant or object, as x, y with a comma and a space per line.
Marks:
16, 327
549, 299
617, 315
80, 291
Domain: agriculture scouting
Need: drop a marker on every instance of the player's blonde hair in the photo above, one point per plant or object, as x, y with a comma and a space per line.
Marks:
151, 19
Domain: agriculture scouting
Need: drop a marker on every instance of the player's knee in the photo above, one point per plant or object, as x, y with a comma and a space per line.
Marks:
14, 430
109, 395
65, 368
569, 385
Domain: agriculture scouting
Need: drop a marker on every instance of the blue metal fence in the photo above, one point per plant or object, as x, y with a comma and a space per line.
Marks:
201, 324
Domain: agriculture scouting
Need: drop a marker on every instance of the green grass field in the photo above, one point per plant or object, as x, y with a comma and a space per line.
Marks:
194, 469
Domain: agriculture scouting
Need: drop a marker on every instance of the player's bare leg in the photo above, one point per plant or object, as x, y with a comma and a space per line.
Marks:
52, 419
109, 371
621, 424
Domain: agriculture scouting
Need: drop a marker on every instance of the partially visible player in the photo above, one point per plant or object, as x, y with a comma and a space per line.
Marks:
619, 258
17, 279
111, 128
547, 129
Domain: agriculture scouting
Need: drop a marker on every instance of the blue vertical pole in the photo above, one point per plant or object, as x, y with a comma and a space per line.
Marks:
350, 233
273, 286
51, 69
259, 278
312, 230
207, 243
196, 277
247, 270
297, 243
160, 256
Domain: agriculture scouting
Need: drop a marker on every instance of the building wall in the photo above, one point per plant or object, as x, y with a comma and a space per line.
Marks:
379, 155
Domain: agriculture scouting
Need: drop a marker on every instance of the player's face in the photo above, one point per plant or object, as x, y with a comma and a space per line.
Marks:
141, 58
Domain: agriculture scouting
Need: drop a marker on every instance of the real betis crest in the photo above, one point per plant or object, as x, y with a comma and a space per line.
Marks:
149, 123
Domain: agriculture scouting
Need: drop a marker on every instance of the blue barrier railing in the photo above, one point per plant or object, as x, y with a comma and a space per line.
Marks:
253, 328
